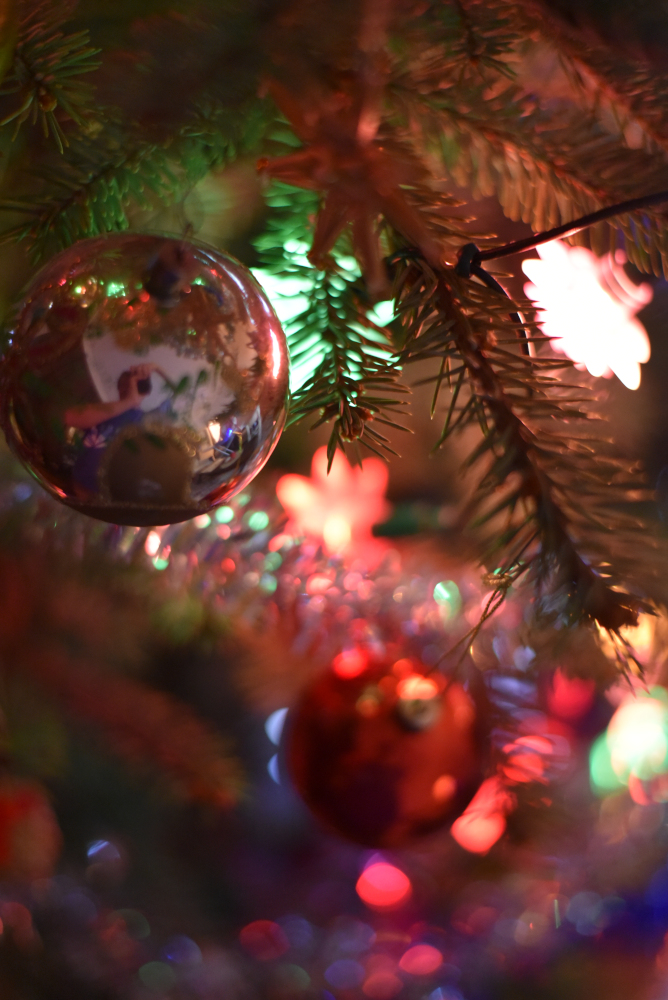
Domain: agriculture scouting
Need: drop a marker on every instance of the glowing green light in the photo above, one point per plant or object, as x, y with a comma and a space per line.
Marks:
296, 246
224, 515
446, 594
383, 312
273, 561
258, 520
292, 978
289, 295
80, 290
160, 563
198, 281
602, 776
136, 924
268, 583
157, 976
243, 499
115, 288
638, 738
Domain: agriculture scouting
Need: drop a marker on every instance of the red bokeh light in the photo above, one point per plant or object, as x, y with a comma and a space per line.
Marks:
264, 940
382, 886
570, 697
421, 960
484, 821
382, 985
350, 663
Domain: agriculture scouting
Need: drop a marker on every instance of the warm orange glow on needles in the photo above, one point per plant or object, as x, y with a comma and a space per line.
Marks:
590, 308
383, 887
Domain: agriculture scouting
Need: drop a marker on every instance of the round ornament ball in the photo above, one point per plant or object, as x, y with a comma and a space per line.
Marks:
386, 755
146, 378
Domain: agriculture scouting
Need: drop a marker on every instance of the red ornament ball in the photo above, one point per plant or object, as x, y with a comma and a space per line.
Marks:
387, 753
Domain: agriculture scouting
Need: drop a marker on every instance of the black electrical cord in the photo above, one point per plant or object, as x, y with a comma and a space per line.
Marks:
469, 263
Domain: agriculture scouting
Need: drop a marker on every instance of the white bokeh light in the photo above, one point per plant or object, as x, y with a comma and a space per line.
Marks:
589, 307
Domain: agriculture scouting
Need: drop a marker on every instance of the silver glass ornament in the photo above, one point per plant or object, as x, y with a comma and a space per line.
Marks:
146, 378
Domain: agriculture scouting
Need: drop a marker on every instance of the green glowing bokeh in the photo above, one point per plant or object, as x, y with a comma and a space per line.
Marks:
602, 776
224, 515
268, 583
157, 976
446, 594
258, 520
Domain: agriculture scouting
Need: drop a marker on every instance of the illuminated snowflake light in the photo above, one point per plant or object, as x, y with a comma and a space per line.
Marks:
589, 308
340, 507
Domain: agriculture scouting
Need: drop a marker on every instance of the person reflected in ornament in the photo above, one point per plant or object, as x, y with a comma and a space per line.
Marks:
103, 420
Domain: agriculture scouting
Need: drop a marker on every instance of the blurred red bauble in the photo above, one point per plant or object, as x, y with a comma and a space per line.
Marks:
382, 753
30, 838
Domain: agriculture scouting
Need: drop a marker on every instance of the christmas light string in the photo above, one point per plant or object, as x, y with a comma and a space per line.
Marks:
565, 230
469, 263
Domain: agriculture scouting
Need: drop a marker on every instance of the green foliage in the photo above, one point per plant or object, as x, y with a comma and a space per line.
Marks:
547, 162
636, 92
106, 173
550, 493
44, 81
356, 381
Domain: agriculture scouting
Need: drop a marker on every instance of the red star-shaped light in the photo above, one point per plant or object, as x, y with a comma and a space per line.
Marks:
340, 508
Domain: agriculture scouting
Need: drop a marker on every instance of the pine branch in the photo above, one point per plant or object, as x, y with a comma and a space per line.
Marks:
355, 380
480, 37
554, 501
636, 91
546, 165
147, 728
45, 77
102, 176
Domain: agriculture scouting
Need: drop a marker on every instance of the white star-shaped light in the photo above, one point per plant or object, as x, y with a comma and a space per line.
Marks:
589, 307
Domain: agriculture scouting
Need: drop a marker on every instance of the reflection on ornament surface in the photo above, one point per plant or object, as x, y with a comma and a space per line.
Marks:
590, 310
146, 378
382, 756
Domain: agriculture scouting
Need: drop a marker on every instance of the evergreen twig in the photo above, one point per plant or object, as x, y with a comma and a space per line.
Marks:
102, 176
554, 499
46, 72
355, 382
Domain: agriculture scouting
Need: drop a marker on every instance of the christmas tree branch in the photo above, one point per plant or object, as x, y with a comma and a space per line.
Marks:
94, 185
145, 727
355, 374
44, 82
552, 497
545, 164
357, 380
637, 92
